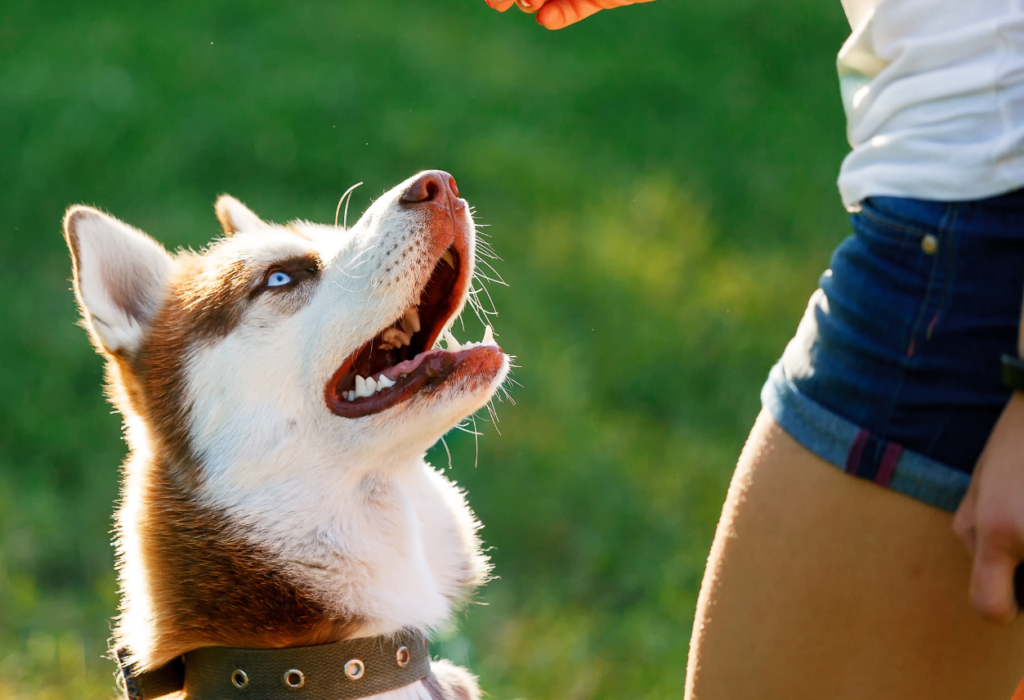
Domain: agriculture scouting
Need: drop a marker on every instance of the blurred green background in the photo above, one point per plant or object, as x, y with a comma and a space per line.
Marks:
659, 182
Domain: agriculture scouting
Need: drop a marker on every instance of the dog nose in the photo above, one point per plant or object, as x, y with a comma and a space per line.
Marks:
431, 186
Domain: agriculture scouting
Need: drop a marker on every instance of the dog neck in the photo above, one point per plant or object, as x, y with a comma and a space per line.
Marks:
333, 559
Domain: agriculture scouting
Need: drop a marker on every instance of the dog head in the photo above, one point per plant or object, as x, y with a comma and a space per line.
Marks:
282, 347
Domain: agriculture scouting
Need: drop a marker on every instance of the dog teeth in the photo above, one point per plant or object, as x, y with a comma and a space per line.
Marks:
396, 338
448, 258
368, 387
361, 388
411, 321
450, 341
488, 340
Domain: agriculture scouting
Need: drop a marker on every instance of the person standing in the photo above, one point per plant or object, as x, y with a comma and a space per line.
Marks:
868, 543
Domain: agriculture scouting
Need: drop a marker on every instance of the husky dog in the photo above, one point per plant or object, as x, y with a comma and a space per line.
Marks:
279, 390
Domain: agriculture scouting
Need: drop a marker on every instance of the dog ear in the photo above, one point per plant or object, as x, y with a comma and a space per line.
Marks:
235, 216
121, 276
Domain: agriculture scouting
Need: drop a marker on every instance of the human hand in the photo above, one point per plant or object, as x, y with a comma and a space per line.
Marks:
556, 14
990, 520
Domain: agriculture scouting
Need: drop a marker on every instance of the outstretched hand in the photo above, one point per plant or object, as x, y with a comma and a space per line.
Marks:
555, 14
990, 519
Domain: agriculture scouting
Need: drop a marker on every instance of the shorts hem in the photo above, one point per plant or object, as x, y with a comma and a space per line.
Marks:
856, 451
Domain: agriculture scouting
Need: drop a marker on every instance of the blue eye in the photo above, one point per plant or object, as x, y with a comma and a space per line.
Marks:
278, 279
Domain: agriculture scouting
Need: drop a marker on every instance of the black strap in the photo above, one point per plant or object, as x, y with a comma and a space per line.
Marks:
1018, 587
347, 670
1013, 372
165, 680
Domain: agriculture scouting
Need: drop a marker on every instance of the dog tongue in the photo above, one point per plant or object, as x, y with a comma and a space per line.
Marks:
419, 372
395, 372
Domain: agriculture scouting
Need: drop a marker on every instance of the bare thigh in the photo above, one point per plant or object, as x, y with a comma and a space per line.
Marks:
820, 585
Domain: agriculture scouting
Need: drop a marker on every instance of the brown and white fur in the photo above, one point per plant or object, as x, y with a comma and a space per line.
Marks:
259, 508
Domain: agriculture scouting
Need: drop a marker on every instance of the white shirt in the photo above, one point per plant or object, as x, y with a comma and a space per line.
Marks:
934, 99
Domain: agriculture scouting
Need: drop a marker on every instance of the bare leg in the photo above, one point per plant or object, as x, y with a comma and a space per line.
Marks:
820, 585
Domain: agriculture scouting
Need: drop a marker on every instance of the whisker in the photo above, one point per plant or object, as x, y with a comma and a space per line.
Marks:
489, 298
348, 195
353, 291
476, 441
497, 274
485, 277
494, 416
474, 304
443, 442
464, 429
363, 252
345, 272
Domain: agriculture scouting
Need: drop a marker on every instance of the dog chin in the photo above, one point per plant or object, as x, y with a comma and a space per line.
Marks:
424, 418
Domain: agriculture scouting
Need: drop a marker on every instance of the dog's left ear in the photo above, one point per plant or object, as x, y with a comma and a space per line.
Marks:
235, 216
121, 277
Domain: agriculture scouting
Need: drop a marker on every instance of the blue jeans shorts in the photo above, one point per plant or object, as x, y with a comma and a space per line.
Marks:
894, 373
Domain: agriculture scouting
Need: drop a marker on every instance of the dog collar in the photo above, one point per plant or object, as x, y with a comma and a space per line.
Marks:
347, 670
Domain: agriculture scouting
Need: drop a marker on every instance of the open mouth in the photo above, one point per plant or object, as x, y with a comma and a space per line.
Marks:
402, 359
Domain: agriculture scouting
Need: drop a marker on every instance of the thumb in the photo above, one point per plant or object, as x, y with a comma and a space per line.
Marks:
992, 582
558, 14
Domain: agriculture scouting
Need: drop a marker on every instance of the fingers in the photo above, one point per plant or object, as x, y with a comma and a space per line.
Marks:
992, 583
990, 520
500, 5
527, 6
557, 14
992, 536
531, 6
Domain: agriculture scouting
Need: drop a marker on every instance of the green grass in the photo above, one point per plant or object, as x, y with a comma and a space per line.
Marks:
659, 182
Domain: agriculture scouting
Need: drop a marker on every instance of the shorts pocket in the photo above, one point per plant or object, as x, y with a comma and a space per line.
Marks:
882, 224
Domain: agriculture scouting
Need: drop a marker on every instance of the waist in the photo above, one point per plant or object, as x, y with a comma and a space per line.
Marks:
998, 217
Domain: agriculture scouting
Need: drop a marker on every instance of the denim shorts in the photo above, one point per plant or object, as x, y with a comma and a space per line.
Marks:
894, 374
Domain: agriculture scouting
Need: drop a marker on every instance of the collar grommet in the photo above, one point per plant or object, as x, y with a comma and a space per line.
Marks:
294, 679
354, 669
